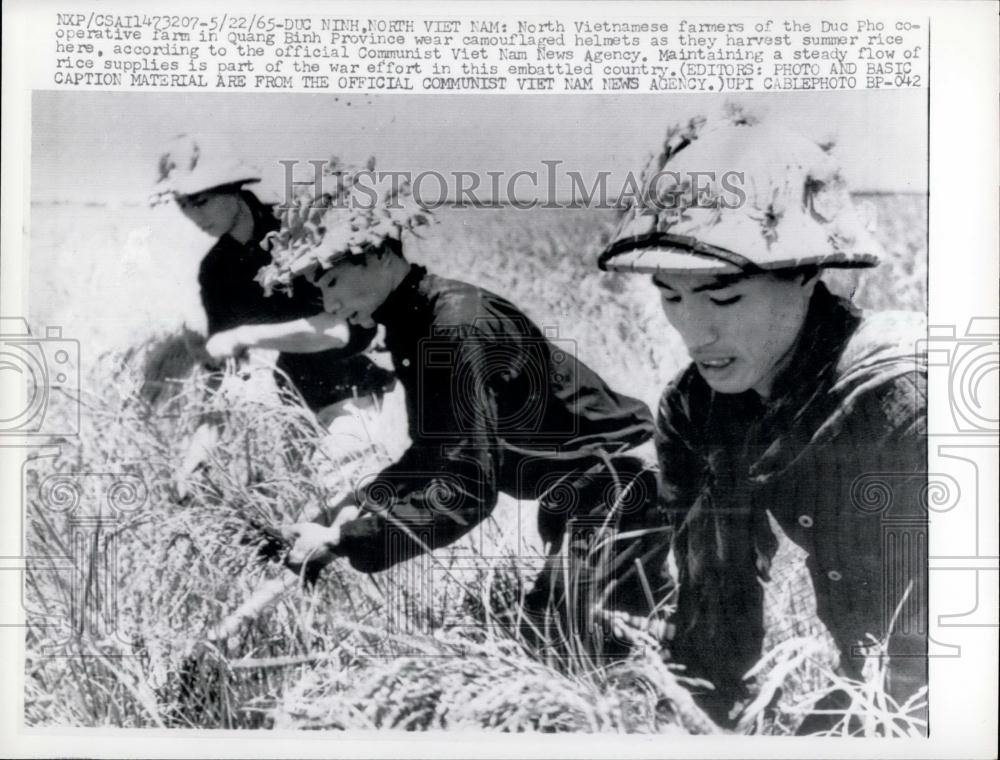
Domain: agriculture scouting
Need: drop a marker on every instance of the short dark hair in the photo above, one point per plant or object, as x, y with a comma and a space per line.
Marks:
393, 246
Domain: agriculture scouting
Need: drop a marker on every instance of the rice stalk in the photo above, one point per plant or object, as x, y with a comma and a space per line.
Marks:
183, 565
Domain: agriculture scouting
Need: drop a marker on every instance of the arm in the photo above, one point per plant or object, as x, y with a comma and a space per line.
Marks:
307, 335
441, 488
240, 317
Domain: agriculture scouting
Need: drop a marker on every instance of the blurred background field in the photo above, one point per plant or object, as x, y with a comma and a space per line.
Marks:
115, 276
120, 635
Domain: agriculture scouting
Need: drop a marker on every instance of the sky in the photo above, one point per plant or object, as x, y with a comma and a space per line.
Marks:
102, 146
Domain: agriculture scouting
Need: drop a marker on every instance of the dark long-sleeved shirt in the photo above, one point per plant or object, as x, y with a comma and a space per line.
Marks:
494, 403
838, 456
231, 297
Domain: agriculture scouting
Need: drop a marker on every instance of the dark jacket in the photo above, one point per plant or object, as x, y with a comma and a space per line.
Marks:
838, 456
231, 297
494, 403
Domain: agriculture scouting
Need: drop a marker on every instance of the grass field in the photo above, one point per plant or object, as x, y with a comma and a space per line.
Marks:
124, 629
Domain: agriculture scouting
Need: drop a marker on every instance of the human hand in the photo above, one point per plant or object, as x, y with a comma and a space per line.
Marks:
312, 545
638, 631
228, 343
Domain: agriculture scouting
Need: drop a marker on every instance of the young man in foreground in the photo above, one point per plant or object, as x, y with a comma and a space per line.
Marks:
799, 413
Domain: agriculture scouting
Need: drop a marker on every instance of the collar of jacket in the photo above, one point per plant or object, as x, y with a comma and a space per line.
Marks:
404, 300
830, 321
264, 221
804, 397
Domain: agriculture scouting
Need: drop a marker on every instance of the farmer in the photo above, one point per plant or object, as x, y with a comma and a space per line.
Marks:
492, 403
319, 353
800, 416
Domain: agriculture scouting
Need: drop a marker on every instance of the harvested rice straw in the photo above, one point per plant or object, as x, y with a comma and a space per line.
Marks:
499, 692
650, 669
269, 592
780, 665
165, 361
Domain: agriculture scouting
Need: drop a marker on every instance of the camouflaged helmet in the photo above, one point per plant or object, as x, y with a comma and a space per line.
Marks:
185, 168
356, 212
737, 195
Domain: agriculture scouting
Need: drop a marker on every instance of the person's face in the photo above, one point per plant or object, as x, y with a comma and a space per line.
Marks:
215, 213
738, 330
352, 291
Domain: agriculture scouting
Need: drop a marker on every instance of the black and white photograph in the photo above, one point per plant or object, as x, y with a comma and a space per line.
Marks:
375, 414
422, 419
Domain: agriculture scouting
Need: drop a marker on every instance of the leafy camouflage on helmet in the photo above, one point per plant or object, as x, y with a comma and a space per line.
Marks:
735, 194
355, 213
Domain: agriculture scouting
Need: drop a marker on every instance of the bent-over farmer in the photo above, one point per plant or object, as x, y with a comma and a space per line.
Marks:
319, 353
494, 403
797, 413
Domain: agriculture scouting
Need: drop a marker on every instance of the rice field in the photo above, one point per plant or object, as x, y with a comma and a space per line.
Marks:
144, 616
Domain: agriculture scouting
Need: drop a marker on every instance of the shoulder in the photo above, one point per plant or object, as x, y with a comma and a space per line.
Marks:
881, 376
888, 350
265, 215
466, 310
211, 266
885, 337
